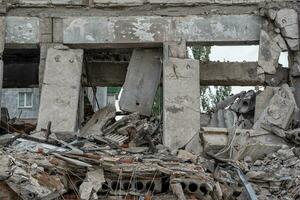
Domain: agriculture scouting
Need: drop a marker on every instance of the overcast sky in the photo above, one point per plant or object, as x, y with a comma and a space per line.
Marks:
240, 54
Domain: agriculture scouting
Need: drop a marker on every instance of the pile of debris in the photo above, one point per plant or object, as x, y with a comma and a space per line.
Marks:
277, 175
249, 151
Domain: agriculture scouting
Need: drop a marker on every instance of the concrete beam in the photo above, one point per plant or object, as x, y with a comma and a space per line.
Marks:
238, 29
51, 2
108, 73
211, 73
129, 3
22, 30
139, 30
229, 73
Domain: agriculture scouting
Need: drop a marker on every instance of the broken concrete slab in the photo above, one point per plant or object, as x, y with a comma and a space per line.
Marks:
287, 20
269, 53
214, 139
293, 44
4, 166
60, 90
257, 150
262, 101
38, 185
181, 101
278, 113
92, 184
286, 17
279, 110
142, 80
99, 119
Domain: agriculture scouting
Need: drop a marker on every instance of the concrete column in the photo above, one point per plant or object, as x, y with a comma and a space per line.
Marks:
294, 65
181, 98
46, 42
2, 43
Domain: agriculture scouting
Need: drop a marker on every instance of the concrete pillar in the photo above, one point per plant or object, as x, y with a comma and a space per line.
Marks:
2, 43
46, 42
181, 98
61, 88
294, 65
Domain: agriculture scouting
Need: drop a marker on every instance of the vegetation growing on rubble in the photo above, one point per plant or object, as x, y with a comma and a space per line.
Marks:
209, 95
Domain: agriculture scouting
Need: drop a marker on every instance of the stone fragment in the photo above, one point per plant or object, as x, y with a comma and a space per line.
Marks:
287, 21
142, 80
6, 139
194, 145
4, 166
257, 150
92, 184
271, 13
186, 156
181, 118
262, 101
98, 121
290, 32
280, 42
280, 109
269, 53
60, 90
293, 44
214, 139
35, 185
286, 17
256, 174
177, 189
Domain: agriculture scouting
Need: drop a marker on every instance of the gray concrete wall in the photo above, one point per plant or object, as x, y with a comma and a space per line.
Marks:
10, 101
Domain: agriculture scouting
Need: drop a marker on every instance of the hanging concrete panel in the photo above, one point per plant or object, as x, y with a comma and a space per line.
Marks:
60, 90
142, 80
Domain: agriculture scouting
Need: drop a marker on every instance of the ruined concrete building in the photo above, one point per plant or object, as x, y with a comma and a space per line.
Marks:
61, 46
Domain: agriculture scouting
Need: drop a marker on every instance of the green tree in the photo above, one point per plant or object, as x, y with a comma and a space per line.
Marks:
209, 95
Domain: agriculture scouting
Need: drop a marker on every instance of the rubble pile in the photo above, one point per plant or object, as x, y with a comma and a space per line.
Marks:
248, 151
277, 175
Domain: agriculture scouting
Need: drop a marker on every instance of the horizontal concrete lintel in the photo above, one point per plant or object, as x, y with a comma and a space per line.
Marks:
50, 2
128, 3
114, 73
229, 73
211, 73
140, 30
155, 29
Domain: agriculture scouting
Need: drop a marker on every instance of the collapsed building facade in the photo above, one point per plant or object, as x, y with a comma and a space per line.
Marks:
63, 46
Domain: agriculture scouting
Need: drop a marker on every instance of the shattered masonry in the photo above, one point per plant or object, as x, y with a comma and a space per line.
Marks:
246, 147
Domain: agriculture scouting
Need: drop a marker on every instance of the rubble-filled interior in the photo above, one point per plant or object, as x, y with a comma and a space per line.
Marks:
156, 143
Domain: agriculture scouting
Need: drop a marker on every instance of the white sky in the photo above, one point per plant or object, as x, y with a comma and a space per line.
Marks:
240, 54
